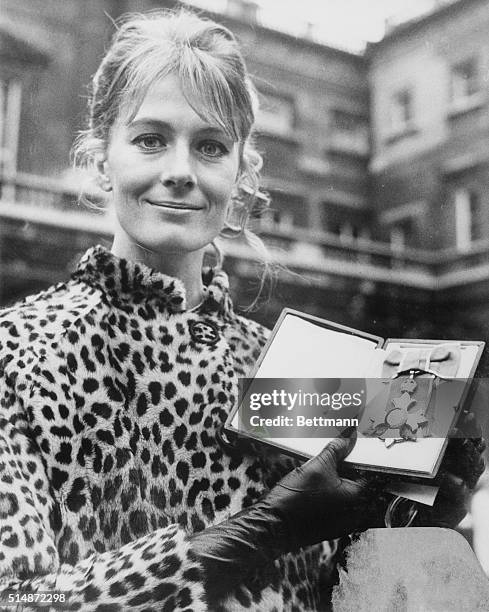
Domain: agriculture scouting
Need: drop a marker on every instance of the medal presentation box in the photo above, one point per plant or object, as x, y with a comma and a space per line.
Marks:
413, 392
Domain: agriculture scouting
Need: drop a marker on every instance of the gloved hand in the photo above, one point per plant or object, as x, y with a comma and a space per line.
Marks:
316, 502
461, 468
311, 504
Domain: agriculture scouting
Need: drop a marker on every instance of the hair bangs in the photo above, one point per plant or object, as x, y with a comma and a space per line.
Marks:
151, 66
211, 92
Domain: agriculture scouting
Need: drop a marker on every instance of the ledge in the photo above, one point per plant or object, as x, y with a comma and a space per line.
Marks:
290, 138
466, 105
407, 132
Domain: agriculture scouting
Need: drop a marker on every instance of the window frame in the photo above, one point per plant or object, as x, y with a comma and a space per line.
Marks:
10, 117
467, 202
458, 97
399, 125
286, 130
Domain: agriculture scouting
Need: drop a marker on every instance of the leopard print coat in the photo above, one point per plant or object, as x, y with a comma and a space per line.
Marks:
111, 401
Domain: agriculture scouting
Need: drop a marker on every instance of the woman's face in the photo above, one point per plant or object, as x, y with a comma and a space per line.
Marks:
171, 174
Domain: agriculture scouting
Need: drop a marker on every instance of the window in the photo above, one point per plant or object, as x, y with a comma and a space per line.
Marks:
346, 223
276, 115
282, 219
277, 219
349, 133
352, 231
476, 229
401, 115
468, 225
401, 234
464, 80
10, 92
345, 121
10, 98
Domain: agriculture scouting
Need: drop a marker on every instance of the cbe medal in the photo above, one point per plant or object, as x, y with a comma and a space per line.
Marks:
416, 372
405, 414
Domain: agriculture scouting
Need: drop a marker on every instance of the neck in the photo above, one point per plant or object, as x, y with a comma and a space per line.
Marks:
187, 267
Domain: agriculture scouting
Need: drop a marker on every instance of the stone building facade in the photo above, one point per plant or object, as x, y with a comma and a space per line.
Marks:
429, 84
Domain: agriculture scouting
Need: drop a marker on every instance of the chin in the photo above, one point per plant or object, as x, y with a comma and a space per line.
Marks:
176, 242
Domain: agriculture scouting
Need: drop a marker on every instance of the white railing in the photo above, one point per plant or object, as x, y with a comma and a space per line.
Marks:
352, 143
48, 201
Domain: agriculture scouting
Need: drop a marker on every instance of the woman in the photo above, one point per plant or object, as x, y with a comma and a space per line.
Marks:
115, 491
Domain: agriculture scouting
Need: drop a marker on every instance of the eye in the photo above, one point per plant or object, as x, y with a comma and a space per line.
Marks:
149, 142
212, 148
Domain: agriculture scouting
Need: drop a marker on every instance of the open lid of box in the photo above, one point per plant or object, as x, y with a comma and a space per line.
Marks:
308, 347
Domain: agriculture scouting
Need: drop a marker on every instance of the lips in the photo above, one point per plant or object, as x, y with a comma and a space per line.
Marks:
175, 205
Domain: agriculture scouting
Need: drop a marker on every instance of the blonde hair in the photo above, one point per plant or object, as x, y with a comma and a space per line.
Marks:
208, 62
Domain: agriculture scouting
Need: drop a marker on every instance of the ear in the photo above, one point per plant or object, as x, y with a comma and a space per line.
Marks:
103, 178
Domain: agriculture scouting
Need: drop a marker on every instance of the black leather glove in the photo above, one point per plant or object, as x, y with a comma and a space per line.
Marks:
461, 468
311, 504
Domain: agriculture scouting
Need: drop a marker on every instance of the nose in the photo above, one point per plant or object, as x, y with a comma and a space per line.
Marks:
177, 172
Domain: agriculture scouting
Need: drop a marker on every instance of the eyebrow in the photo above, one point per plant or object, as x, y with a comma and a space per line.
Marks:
204, 129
